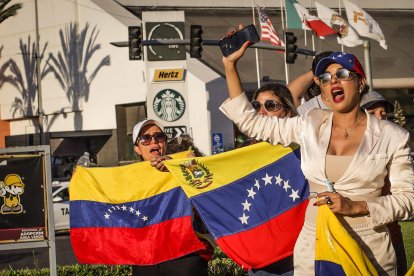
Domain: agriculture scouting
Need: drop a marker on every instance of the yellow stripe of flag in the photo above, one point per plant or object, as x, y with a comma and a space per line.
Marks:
119, 184
224, 168
335, 244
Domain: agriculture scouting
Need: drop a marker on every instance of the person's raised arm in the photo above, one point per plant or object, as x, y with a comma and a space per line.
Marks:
299, 85
232, 75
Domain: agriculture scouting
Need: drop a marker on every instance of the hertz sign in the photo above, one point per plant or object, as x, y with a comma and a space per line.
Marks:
168, 75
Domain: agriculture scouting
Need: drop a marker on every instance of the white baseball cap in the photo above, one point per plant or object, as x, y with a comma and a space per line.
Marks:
373, 97
137, 128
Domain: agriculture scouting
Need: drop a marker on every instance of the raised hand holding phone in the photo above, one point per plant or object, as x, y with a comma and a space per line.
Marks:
236, 40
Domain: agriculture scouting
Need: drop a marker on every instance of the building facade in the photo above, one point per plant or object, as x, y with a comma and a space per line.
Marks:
91, 94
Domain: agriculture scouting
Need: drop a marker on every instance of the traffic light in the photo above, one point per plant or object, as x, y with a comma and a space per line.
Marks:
196, 41
291, 47
134, 42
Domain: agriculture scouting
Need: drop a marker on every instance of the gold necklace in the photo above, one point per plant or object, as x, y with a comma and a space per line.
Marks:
346, 134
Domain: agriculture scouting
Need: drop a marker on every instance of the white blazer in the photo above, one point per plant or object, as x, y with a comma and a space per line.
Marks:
384, 151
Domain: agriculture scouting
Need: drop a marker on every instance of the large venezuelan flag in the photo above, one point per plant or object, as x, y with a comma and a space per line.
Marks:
336, 252
132, 214
252, 200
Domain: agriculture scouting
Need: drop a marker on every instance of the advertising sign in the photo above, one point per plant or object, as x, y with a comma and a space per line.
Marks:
161, 75
165, 30
217, 143
22, 198
169, 105
175, 131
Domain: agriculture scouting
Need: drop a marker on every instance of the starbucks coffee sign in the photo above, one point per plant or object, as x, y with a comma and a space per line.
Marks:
169, 105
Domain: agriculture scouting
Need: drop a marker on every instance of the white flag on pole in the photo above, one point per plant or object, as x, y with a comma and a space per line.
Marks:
301, 11
347, 34
363, 23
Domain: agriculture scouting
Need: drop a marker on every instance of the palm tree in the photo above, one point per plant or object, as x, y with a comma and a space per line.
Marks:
10, 11
25, 82
70, 66
3, 68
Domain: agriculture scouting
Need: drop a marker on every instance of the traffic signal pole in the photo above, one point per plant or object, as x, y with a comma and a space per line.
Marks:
212, 42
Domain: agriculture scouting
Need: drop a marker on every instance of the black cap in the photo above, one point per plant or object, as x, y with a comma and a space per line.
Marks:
318, 57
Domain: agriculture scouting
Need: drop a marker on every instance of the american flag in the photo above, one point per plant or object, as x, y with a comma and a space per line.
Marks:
268, 32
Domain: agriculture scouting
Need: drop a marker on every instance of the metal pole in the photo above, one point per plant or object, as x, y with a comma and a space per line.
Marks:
283, 9
212, 42
50, 215
39, 76
340, 13
367, 58
256, 51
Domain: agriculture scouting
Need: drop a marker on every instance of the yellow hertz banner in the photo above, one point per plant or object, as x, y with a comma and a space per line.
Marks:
168, 75
222, 169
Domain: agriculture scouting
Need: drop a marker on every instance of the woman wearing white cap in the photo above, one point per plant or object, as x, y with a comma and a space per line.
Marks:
150, 142
345, 147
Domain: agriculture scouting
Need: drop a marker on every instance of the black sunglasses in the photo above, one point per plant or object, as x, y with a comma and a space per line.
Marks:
269, 105
146, 139
342, 74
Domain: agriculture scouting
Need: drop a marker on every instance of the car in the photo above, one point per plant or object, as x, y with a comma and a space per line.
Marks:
60, 191
62, 166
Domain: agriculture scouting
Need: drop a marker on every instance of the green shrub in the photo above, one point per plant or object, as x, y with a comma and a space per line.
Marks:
407, 228
78, 270
221, 265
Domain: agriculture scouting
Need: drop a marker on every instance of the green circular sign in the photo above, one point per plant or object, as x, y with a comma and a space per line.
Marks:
165, 30
169, 105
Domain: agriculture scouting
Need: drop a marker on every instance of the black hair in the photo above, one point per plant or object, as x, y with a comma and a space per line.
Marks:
318, 58
314, 90
280, 90
182, 143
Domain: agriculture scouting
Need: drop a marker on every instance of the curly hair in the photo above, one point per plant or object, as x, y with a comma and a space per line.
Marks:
182, 143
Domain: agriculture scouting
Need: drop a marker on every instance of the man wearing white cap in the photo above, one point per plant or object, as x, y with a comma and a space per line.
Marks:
376, 105
143, 135
150, 142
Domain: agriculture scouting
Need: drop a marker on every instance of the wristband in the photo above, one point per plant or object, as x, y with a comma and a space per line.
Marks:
367, 209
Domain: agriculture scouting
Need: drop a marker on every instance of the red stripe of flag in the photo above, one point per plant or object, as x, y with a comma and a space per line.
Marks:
320, 28
287, 227
139, 246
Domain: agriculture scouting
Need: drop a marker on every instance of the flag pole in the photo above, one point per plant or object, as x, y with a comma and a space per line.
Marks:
281, 14
304, 34
340, 13
367, 58
313, 35
284, 31
256, 50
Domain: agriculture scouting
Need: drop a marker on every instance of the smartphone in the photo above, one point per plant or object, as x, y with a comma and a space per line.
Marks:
230, 44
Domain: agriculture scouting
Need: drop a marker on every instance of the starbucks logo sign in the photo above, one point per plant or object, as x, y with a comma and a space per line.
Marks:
169, 105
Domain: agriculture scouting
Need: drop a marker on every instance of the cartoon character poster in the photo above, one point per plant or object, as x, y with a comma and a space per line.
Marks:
22, 198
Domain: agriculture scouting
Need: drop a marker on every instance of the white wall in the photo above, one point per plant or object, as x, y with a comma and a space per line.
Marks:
11, 31
206, 91
121, 82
